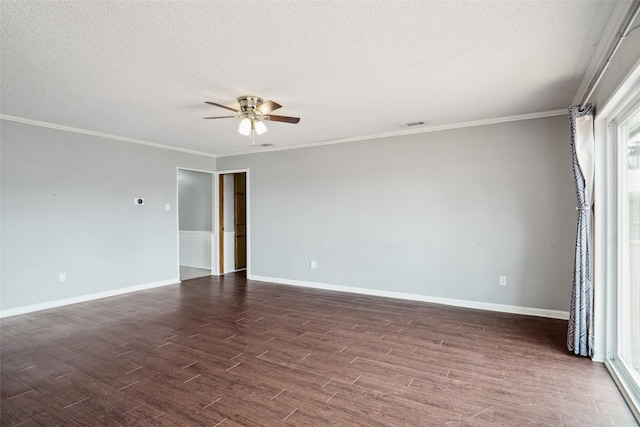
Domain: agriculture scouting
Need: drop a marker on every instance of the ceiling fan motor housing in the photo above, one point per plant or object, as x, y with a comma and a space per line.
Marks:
249, 103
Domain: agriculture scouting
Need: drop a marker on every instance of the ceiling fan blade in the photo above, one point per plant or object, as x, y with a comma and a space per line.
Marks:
267, 107
221, 106
285, 119
221, 117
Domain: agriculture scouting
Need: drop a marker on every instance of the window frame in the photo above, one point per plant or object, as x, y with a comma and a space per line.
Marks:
624, 102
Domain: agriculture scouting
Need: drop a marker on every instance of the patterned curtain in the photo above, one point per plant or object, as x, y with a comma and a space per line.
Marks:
580, 334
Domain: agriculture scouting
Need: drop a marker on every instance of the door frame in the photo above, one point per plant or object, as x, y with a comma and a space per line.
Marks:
606, 244
214, 248
217, 220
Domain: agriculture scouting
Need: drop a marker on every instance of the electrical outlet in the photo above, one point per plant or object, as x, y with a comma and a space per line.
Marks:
62, 277
313, 264
503, 280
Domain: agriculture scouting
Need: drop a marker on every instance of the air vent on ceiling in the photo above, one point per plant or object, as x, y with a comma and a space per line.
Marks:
412, 124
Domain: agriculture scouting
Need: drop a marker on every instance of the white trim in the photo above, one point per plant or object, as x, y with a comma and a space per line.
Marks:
421, 129
201, 267
606, 212
248, 210
253, 150
215, 259
231, 171
195, 170
84, 298
622, 382
622, 96
214, 234
609, 37
607, 247
529, 311
101, 135
177, 218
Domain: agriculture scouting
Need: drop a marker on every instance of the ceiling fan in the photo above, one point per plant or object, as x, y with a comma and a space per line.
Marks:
254, 112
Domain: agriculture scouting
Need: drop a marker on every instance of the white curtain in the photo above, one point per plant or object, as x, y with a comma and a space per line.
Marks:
580, 333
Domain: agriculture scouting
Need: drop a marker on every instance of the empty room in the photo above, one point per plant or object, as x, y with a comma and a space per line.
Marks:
377, 213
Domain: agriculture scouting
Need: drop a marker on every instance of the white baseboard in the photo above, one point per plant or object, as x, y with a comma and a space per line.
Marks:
529, 311
554, 314
84, 298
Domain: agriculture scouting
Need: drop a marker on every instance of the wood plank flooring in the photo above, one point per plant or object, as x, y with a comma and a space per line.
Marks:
229, 352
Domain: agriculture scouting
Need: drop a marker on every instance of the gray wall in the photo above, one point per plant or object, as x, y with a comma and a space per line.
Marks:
68, 206
195, 199
439, 214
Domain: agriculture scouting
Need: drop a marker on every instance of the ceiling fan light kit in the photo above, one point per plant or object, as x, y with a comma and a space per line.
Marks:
254, 112
245, 127
259, 127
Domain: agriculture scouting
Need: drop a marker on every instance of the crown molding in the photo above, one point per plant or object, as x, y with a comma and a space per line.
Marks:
256, 150
421, 129
101, 135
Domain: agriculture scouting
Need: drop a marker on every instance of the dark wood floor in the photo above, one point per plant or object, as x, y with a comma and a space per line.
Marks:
236, 352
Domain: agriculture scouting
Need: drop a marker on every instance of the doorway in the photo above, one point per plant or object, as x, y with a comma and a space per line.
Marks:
233, 221
195, 223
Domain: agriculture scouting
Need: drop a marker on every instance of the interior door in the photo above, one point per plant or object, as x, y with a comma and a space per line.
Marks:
221, 224
240, 219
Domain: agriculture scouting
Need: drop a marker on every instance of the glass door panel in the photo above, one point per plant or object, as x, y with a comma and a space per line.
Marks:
629, 268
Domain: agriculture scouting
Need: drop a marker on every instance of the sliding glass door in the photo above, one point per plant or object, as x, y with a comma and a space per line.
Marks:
625, 357
629, 223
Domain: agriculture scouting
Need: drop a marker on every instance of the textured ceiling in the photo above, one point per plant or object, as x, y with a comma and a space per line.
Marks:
142, 70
